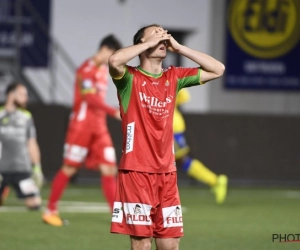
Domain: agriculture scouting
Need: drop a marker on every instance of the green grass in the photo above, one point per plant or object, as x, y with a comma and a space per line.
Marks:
246, 221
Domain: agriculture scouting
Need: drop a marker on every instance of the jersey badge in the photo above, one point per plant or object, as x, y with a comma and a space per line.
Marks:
87, 84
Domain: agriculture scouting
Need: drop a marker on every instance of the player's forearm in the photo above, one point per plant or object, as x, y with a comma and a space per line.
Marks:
206, 62
123, 56
34, 151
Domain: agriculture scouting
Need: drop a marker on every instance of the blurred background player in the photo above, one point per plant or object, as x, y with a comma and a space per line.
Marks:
193, 167
19, 150
88, 140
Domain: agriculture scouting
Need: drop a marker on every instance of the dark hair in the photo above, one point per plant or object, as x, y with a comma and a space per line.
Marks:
140, 33
12, 87
111, 42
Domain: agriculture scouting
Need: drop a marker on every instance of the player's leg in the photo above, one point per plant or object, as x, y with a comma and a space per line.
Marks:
4, 190
33, 203
198, 171
75, 153
133, 208
140, 243
193, 167
167, 244
108, 182
26, 189
168, 222
5, 193
102, 154
3, 187
59, 184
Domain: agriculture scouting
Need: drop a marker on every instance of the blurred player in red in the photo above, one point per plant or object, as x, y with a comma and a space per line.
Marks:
88, 141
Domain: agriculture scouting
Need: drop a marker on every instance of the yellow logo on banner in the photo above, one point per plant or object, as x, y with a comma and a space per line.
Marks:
265, 28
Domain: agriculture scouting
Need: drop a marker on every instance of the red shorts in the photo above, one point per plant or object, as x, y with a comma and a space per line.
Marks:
89, 147
147, 205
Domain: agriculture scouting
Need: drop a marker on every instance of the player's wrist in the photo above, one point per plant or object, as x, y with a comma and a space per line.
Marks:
146, 45
36, 167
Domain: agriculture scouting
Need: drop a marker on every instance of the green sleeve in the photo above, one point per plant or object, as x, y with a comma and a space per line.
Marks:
188, 77
123, 81
124, 87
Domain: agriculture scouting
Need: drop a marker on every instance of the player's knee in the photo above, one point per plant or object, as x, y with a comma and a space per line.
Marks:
69, 170
33, 203
140, 243
167, 243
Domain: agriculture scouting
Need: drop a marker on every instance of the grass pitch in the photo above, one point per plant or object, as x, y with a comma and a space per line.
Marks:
246, 221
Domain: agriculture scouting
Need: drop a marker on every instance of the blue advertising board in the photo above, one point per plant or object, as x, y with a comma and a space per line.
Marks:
263, 44
34, 41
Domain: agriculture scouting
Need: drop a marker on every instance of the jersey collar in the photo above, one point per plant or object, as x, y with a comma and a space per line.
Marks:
149, 74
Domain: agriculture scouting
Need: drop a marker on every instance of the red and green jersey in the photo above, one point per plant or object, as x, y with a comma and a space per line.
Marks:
147, 104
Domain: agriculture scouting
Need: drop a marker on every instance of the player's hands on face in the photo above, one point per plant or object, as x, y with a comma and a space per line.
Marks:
172, 45
156, 36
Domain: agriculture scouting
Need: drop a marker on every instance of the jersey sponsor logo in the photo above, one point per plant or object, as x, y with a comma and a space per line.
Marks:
13, 131
130, 137
172, 216
153, 101
154, 105
155, 83
117, 215
137, 213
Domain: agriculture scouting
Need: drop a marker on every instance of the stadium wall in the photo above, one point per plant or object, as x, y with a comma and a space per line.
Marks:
250, 149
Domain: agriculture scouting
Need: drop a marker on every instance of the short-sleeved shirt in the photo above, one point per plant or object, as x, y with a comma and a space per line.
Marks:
147, 104
16, 128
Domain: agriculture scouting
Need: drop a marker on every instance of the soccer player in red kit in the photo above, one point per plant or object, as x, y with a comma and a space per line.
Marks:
88, 141
147, 203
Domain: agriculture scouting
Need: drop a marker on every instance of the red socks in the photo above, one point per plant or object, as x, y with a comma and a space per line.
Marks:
61, 180
109, 189
59, 184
